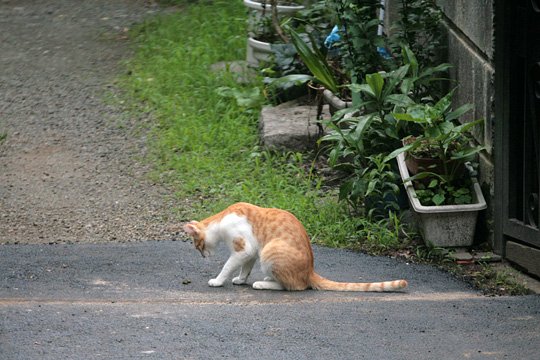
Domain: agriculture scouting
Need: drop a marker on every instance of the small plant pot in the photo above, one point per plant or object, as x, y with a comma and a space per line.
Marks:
334, 102
258, 51
444, 225
416, 164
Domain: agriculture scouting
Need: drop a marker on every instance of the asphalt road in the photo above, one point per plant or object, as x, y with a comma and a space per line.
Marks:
151, 300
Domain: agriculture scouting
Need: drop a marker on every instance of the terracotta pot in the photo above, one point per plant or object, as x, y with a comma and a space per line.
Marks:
417, 164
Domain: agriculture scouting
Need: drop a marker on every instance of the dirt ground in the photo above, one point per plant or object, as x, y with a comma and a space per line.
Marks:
70, 168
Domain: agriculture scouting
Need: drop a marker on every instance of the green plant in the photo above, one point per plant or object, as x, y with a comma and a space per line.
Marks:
381, 189
383, 93
363, 136
422, 81
315, 61
383, 236
447, 142
360, 38
419, 28
247, 98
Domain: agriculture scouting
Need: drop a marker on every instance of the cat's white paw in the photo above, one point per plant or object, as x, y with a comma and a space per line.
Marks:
215, 283
258, 285
267, 285
238, 281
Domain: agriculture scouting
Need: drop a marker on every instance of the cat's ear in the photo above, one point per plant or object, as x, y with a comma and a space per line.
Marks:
191, 228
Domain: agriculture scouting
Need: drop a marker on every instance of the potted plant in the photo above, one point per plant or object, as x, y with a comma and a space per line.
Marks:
264, 28
445, 199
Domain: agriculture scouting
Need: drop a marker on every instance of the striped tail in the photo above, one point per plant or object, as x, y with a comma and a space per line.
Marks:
317, 282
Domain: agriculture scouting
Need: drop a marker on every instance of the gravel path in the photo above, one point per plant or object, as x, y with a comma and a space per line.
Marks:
68, 168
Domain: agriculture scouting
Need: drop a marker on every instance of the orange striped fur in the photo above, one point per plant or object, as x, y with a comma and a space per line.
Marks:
281, 243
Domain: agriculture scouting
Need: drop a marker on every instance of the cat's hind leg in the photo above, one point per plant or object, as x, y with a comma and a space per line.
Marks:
267, 285
287, 265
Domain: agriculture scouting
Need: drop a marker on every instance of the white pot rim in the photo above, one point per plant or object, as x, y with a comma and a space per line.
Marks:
480, 203
257, 5
259, 44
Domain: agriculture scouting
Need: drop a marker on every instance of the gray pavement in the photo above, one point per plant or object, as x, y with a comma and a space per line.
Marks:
150, 300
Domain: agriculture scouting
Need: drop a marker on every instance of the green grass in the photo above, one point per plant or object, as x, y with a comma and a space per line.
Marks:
206, 144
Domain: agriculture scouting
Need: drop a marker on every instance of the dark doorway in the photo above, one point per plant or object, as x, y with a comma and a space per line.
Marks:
517, 130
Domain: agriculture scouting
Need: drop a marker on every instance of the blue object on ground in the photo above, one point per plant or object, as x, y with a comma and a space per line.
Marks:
332, 37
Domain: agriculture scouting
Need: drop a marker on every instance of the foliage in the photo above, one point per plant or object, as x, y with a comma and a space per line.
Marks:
362, 137
449, 143
418, 27
315, 60
423, 81
247, 98
361, 40
439, 193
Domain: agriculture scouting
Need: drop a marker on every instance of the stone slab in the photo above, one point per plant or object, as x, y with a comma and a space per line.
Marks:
290, 126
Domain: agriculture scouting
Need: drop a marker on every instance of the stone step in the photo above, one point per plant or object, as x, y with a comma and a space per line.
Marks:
291, 126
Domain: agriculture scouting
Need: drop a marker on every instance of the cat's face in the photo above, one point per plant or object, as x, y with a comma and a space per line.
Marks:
197, 232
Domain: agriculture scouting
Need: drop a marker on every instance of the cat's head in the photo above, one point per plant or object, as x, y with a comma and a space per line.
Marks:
197, 231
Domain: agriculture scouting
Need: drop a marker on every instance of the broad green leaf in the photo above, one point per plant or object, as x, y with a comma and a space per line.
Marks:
395, 77
406, 86
438, 199
314, 61
396, 152
467, 126
410, 59
400, 100
376, 83
406, 117
465, 154
363, 88
456, 114
288, 81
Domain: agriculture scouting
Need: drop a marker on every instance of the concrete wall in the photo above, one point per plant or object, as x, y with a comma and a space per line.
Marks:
469, 25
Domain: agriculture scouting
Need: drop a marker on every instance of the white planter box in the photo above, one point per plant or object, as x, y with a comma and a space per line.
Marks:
445, 225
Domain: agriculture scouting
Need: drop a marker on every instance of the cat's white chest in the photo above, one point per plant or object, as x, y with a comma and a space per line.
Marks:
233, 227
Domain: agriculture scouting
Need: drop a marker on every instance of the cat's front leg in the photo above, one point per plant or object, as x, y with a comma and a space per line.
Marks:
232, 264
244, 272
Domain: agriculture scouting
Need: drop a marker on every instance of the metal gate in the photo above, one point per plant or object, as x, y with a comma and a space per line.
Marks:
517, 143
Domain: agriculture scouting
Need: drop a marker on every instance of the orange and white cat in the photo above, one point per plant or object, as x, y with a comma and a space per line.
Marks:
281, 243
